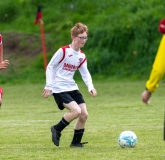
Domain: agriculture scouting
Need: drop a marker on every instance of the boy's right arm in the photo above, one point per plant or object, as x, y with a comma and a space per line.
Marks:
50, 72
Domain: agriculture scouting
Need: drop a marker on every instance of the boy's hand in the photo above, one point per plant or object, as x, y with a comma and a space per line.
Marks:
93, 92
146, 96
4, 64
46, 93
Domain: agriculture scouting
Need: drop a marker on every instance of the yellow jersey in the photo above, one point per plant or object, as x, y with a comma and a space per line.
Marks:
158, 68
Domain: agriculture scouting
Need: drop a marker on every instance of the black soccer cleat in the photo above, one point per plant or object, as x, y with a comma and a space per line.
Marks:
55, 136
78, 144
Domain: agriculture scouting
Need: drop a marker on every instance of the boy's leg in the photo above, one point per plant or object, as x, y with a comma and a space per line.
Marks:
79, 127
81, 120
74, 112
56, 131
77, 136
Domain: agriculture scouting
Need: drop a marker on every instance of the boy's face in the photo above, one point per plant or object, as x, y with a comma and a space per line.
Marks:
80, 39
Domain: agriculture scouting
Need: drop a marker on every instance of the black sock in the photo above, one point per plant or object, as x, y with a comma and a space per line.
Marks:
61, 125
77, 136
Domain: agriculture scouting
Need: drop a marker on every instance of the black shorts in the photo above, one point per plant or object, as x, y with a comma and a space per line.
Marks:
67, 97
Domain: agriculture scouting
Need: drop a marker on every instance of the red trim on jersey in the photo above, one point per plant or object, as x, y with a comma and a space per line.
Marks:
82, 62
1, 91
0, 39
63, 48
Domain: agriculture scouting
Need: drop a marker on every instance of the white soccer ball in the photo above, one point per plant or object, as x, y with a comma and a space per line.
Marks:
127, 139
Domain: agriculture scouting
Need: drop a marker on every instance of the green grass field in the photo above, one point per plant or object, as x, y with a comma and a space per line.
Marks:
26, 118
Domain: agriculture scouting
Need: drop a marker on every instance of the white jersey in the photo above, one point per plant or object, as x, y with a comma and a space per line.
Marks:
61, 69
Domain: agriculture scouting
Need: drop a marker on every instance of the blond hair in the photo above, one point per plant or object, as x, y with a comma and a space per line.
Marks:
78, 29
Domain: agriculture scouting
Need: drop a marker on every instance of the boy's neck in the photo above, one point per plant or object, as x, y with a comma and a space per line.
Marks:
74, 47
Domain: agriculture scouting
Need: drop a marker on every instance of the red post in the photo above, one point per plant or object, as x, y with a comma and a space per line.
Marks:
43, 43
39, 19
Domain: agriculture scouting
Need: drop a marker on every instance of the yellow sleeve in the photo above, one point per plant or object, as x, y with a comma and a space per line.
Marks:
158, 68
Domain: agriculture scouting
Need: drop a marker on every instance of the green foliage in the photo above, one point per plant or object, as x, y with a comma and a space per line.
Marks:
127, 44
9, 11
123, 35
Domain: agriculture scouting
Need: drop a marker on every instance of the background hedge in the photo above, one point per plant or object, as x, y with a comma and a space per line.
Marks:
123, 38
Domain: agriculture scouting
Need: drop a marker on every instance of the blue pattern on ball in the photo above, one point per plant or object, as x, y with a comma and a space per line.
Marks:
127, 139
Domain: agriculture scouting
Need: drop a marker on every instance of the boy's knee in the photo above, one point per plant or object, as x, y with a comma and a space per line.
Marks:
84, 117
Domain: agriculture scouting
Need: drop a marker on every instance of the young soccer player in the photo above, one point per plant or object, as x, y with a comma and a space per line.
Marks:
158, 69
3, 65
60, 83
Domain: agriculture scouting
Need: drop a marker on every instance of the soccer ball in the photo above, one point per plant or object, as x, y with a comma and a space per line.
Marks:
127, 139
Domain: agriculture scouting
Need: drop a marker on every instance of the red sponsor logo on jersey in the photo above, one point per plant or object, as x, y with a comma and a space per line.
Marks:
69, 67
